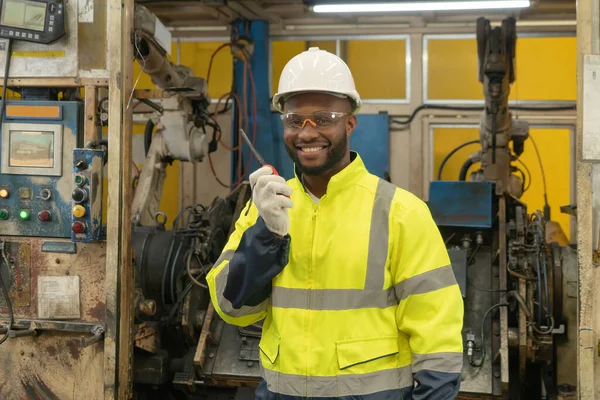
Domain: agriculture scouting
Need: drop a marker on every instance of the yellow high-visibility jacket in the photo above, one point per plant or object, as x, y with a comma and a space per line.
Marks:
358, 300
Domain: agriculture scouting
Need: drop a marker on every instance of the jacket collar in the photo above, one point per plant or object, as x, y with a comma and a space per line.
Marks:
343, 179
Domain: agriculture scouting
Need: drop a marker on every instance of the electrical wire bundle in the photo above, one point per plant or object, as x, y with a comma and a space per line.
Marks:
241, 105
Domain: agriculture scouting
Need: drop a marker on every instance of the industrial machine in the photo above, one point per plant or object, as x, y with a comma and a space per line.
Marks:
51, 233
518, 305
54, 310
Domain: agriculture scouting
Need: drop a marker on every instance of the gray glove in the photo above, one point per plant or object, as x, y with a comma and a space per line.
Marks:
269, 195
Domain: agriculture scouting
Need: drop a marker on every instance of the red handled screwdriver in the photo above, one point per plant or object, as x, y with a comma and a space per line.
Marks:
260, 160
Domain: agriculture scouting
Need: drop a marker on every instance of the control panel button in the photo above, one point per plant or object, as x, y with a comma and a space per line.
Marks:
79, 195
44, 215
46, 194
78, 211
3, 214
24, 215
78, 227
25, 193
80, 179
4, 193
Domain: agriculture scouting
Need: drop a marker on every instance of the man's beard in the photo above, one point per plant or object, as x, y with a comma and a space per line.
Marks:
335, 153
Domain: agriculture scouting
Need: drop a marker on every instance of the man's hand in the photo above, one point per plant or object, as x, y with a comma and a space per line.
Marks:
269, 194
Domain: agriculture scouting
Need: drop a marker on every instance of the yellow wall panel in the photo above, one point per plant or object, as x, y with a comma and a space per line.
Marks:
554, 146
327, 45
196, 55
545, 69
282, 52
452, 70
378, 67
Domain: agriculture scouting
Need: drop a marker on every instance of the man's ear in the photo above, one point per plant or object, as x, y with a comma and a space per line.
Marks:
351, 124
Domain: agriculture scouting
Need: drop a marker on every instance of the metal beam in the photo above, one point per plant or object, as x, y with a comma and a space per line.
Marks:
239, 9
263, 13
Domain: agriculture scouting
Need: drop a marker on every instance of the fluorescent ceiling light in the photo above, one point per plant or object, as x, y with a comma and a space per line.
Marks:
421, 6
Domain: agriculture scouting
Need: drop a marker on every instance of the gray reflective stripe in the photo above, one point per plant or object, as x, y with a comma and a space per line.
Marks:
379, 235
332, 299
441, 362
335, 386
429, 281
221, 282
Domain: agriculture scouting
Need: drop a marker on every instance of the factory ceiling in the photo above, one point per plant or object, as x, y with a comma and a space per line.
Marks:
295, 17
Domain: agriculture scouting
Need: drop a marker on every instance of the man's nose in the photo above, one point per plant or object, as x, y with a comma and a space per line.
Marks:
308, 130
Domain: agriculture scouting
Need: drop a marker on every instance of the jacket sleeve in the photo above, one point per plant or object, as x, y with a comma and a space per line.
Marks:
240, 280
430, 310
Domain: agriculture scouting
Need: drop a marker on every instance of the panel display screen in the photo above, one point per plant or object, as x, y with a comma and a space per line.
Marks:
24, 14
31, 149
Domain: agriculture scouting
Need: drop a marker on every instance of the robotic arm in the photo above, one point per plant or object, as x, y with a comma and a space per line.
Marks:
496, 52
180, 126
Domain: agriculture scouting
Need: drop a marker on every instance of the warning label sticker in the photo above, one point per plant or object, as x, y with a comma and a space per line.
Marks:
58, 297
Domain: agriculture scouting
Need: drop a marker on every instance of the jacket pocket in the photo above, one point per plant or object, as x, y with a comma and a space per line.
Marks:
357, 351
269, 345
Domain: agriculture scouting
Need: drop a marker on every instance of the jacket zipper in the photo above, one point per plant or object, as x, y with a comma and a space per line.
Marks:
310, 286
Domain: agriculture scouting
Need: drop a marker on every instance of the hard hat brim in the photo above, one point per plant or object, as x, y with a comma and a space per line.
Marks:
280, 98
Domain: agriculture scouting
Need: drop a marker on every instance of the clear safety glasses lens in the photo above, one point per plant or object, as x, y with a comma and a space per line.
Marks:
322, 119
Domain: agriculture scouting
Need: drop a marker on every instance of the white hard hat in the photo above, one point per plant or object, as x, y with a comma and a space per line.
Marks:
316, 70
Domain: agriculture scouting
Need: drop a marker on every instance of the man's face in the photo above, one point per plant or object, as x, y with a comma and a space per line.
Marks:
317, 150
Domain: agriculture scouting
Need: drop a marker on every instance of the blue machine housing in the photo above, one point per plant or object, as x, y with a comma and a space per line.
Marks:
27, 188
461, 204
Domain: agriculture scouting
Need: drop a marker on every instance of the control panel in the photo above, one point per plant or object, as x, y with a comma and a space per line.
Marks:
37, 142
86, 195
38, 21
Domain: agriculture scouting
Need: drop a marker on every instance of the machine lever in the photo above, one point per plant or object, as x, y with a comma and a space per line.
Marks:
98, 336
22, 333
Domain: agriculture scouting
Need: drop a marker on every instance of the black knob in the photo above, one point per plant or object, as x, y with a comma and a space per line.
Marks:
81, 164
79, 195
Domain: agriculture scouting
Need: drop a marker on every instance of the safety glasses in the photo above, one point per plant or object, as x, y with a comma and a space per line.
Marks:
319, 120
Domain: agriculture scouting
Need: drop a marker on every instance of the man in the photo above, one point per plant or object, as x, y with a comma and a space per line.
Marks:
349, 272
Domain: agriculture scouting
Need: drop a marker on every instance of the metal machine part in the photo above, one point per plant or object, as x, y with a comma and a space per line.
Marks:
496, 49
181, 119
174, 344
516, 315
38, 139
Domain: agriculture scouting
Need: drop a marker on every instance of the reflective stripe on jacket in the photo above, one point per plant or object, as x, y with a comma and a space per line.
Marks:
358, 300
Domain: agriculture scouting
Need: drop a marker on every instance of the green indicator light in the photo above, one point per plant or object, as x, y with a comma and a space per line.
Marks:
24, 214
3, 214
78, 179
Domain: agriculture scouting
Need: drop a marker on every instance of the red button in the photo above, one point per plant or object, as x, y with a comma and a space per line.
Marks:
78, 227
44, 215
